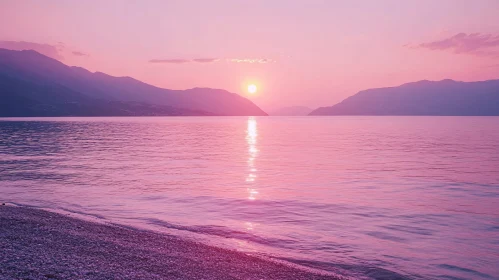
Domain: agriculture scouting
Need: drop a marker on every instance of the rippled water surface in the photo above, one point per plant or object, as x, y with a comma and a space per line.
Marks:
379, 197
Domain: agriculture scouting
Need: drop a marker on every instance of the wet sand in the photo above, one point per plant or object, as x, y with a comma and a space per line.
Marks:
37, 244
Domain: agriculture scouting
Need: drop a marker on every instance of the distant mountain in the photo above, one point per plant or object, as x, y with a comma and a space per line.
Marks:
424, 98
21, 98
32, 84
291, 111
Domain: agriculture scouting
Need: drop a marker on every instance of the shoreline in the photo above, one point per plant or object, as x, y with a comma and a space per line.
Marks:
39, 244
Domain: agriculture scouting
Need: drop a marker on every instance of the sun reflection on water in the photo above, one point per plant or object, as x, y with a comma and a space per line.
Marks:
249, 225
251, 139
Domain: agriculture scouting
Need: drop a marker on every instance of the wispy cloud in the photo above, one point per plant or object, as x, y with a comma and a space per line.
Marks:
491, 66
251, 60
174, 61
77, 53
206, 60
54, 51
462, 43
211, 60
45, 49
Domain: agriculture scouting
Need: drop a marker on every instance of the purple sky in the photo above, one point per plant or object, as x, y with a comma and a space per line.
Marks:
306, 52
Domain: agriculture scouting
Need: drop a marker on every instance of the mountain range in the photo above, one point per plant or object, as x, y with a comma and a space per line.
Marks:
423, 98
32, 84
291, 111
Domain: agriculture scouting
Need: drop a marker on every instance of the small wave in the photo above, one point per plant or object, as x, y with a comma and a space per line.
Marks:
61, 210
225, 232
385, 236
357, 271
466, 270
409, 229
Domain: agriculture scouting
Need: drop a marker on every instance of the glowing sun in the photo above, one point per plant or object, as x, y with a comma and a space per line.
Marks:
252, 88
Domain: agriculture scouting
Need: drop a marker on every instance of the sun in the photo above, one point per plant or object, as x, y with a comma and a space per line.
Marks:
252, 88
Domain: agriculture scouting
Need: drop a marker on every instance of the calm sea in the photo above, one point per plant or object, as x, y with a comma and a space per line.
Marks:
374, 197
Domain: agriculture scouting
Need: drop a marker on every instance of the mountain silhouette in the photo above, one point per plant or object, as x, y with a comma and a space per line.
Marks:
291, 111
32, 84
423, 98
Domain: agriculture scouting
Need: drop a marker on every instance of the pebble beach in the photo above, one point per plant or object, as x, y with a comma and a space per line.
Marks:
37, 244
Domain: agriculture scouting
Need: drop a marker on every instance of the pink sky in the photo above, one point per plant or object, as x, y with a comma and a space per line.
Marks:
307, 52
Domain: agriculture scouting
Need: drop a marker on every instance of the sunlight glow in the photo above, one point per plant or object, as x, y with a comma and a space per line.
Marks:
252, 88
